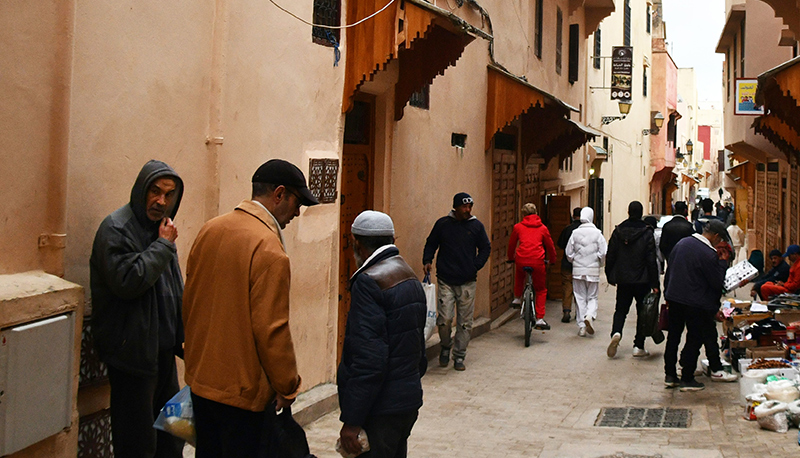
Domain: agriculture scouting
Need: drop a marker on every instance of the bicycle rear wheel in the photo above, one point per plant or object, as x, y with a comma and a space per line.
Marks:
527, 314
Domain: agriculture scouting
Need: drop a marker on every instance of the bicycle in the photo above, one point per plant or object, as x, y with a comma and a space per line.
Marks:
528, 304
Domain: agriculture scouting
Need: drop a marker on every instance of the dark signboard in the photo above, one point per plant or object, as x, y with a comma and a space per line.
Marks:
621, 72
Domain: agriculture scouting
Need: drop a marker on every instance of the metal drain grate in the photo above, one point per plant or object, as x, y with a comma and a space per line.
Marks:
642, 417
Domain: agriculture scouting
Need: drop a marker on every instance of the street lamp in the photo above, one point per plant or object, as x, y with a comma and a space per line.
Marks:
656, 123
624, 109
689, 146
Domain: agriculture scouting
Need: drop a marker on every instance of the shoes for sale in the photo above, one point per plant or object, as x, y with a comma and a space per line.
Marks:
612, 347
589, 328
722, 376
444, 357
541, 324
671, 381
640, 352
565, 318
693, 385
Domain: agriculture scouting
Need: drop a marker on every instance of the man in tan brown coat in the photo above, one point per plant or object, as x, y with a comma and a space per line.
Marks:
239, 354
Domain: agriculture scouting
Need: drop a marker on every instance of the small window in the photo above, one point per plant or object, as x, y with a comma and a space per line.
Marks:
741, 50
537, 38
326, 12
559, 38
626, 25
648, 19
728, 73
734, 55
644, 81
421, 98
598, 49
574, 51
458, 140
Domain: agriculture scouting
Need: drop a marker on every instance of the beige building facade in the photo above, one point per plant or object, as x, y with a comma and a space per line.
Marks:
440, 103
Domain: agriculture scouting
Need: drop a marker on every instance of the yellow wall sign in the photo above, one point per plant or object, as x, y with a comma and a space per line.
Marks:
745, 103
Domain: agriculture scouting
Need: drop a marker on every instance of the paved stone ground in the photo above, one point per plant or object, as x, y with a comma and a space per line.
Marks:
543, 401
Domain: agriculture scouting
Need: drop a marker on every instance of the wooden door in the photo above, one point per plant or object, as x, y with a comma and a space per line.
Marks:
504, 216
357, 175
558, 217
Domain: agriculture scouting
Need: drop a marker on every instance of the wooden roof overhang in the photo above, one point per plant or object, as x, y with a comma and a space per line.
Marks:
423, 38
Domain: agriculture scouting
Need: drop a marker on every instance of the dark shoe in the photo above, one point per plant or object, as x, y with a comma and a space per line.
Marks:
516, 305
458, 364
444, 357
693, 385
541, 324
565, 318
672, 381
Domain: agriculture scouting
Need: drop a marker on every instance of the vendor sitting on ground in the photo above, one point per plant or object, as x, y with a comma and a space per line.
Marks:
778, 273
792, 284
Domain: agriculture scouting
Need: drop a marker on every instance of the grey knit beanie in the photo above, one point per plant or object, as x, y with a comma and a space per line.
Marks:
373, 224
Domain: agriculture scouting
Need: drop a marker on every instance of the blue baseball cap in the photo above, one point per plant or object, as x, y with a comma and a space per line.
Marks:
792, 249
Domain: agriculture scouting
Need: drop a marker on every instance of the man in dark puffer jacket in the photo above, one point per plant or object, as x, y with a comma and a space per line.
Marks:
383, 357
631, 266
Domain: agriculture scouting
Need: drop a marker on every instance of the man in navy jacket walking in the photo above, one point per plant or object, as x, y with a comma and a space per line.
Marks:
383, 357
464, 249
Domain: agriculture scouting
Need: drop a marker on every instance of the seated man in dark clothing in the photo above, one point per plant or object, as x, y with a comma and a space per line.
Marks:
779, 272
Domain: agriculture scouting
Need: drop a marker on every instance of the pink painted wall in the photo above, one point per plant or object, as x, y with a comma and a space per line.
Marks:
704, 136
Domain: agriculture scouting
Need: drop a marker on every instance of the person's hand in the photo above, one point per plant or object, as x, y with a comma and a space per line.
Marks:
426, 269
349, 438
719, 316
281, 402
654, 290
780, 283
167, 230
752, 293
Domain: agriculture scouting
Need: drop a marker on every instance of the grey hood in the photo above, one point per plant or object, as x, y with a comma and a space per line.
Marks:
151, 172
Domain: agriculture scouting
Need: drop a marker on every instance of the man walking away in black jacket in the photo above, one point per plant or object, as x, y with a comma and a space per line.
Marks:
631, 266
567, 297
677, 228
383, 357
137, 289
463, 248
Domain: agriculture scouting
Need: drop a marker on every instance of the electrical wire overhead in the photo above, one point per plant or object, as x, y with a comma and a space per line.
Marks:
334, 27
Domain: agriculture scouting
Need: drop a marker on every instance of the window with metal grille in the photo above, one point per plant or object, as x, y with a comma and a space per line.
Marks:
741, 50
537, 33
598, 49
574, 51
559, 38
644, 81
326, 12
648, 19
626, 25
421, 98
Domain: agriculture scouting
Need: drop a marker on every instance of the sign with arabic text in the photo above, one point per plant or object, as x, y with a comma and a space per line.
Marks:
621, 72
745, 103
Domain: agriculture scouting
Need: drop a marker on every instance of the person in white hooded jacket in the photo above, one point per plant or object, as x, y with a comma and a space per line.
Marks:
586, 250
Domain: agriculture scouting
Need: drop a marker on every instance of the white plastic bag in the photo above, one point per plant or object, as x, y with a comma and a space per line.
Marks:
793, 412
362, 439
177, 417
782, 390
771, 416
430, 298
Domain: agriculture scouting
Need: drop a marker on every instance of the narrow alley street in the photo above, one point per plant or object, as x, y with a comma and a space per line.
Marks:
543, 401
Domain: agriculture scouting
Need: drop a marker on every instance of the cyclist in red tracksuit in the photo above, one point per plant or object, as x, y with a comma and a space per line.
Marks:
531, 246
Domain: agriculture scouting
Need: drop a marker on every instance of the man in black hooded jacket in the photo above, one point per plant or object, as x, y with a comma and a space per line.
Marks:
631, 266
137, 288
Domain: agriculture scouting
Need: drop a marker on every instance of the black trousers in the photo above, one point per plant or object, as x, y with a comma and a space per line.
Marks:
626, 293
225, 431
701, 330
388, 435
135, 404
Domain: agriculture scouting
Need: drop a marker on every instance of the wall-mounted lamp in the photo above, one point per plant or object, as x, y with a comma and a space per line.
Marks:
591, 172
624, 109
655, 124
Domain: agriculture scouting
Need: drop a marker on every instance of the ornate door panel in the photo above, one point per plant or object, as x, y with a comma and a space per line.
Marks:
558, 217
761, 203
504, 216
774, 217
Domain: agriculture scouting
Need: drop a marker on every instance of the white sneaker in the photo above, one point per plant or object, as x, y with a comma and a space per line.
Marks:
722, 376
612, 347
640, 352
589, 328
582, 332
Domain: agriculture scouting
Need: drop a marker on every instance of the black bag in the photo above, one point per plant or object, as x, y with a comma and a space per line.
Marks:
651, 315
284, 437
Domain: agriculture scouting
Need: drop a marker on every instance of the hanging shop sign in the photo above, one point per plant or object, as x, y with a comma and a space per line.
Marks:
621, 72
745, 103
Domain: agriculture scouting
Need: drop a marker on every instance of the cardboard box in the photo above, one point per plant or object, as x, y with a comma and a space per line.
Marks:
765, 352
743, 343
787, 316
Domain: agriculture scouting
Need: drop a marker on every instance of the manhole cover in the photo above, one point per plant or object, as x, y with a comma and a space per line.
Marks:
642, 417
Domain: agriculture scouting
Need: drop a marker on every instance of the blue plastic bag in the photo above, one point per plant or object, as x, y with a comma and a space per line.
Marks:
177, 417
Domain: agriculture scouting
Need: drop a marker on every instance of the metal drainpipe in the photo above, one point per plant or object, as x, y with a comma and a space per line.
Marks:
215, 131
52, 240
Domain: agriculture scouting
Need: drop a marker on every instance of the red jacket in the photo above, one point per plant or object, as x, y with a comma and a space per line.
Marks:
534, 238
793, 283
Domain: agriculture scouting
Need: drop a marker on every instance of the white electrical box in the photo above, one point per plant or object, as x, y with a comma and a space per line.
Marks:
35, 381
